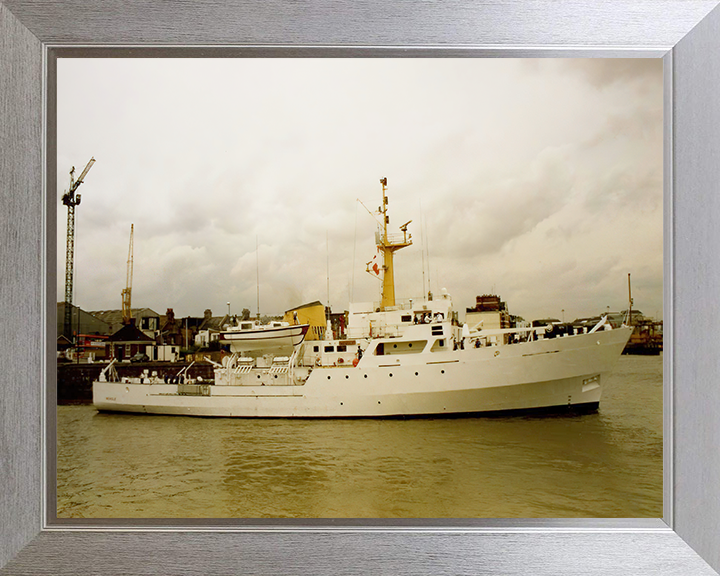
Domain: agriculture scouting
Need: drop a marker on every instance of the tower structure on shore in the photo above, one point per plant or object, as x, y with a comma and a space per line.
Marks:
127, 291
71, 200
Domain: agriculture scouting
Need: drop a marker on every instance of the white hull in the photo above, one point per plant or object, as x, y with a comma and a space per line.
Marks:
566, 371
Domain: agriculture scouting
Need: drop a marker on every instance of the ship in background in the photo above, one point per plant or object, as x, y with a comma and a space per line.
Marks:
397, 359
647, 336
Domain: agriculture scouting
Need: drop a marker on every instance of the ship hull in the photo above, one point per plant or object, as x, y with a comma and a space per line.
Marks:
540, 375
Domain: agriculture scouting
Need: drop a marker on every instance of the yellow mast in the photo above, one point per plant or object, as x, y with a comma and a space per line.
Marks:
388, 245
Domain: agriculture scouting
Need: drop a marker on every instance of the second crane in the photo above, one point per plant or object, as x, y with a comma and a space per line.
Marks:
127, 291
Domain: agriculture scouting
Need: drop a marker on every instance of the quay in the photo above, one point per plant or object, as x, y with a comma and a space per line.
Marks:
74, 381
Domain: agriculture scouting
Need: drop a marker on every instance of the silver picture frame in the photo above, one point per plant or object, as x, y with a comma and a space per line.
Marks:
685, 33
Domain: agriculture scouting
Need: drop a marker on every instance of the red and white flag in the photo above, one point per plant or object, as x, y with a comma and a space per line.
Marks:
374, 266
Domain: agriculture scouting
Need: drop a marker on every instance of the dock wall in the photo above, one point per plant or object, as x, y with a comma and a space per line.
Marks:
74, 381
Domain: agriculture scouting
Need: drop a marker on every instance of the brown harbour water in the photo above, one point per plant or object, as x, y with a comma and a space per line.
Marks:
605, 464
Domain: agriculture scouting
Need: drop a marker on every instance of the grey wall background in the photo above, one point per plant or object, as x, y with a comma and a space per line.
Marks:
694, 466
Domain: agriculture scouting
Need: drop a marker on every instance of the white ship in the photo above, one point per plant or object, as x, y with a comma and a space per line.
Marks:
399, 359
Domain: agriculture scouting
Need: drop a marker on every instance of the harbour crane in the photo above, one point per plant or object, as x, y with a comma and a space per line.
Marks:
71, 200
126, 293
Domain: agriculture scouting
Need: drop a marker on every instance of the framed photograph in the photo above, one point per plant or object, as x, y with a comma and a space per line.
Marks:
683, 36
518, 181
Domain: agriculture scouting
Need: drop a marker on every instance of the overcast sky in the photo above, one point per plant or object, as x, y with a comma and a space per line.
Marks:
537, 180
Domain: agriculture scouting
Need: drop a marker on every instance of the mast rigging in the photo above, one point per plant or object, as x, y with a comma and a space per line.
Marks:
388, 245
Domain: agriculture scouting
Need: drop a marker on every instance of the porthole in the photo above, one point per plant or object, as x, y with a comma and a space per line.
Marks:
365, 375
390, 374
275, 376
416, 373
394, 345
328, 377
258, 376
346, 376
442, 371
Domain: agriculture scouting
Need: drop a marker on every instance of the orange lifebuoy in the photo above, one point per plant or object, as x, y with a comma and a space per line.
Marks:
340, 360
355, 362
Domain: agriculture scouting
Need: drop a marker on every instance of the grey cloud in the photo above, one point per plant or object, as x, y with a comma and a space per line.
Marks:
604, 72
520, 173
485, 220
